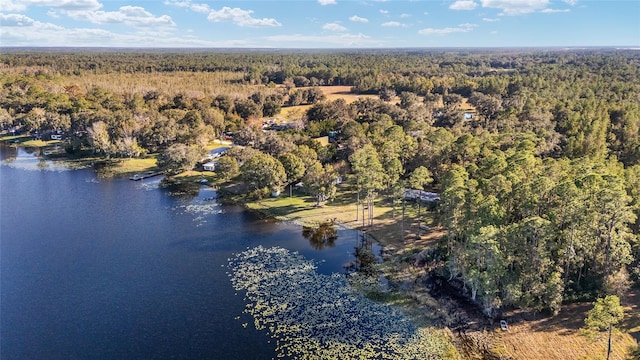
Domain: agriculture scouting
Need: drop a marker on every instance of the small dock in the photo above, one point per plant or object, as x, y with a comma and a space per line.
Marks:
137, 177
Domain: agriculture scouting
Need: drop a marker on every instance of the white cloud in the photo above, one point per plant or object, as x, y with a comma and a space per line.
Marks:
20, 30
326, 2
393, 24
570, 2
463, 5
553, 11
184, 4
9, 5
356, 18
69, 5
404, 16
462, 28
515, 7
490, 19
240, 17
12, 20
129, 15
382, 11
333, 27
201, 8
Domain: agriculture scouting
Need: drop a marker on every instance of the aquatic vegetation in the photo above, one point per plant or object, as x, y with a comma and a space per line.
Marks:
316, 316
203, 209
33, 163
148, 185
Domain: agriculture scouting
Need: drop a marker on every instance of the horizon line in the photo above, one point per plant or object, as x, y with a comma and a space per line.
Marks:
147, 48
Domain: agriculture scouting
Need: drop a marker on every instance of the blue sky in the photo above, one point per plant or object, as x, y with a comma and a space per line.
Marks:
320, 23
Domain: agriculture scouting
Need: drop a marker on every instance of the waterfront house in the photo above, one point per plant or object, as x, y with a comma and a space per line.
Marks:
210, 166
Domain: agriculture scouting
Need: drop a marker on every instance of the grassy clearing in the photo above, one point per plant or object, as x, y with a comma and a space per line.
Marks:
559, 337
28, 141
37, 143
292, 113
387, 225
302, 209
216, 144
343, 92
466, 107
127, 166
204, 177
123, 167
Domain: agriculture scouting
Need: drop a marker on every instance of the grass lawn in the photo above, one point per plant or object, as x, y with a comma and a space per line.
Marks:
39, 143
216, 144
28, 141
291, 113
387, 223
127, 166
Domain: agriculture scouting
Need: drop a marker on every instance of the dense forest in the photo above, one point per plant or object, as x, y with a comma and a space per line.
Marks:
536, 154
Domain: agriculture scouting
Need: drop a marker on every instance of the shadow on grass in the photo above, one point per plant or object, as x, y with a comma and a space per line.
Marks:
568, 322
571, 317
390, 228
344, 198
285, 210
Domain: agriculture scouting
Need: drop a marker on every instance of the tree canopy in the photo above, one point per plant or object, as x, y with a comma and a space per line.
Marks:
536, 154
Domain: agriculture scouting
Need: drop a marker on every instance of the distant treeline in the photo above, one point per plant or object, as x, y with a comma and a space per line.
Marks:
366, 70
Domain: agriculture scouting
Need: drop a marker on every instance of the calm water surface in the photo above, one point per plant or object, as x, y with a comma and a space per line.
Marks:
97, 268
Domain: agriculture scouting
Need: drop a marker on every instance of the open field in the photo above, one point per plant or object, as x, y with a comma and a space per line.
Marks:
386, 228
292, 113
343, 92
559, 337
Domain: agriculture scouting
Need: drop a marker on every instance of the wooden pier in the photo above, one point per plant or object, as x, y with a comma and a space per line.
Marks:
149, 174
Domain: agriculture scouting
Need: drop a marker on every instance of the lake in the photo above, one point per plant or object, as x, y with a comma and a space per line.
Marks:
109, 268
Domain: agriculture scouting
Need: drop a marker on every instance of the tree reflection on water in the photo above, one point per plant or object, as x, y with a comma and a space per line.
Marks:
321, 237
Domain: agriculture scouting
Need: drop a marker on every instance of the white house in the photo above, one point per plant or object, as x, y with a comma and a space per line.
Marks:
210, 166
413, 194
